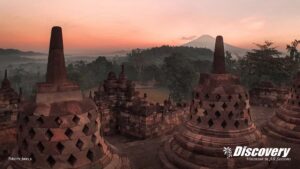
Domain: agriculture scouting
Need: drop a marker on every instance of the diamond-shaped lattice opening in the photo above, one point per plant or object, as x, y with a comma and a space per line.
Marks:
207, 96
25, 144
199, 120
69, 133
85, 129
20, 128
72, 160
229, 97
217, 114
191, 116
248, 112
197, 95
246, 95
90, 155
79, 144
236, 105
5, 152
60, 147
237, 124
40, 121
51, 161
32, 158
31, 133
224, 105
49, 134
205, 113
230, 115
26, 119
240, 96
76, 119
19, 153
246, 122
41, 147
224, 124
200, 103
196, 110
210, 122
99, 145
94, 138
242, 113
89, 115
218, 97
212, 105
58, 121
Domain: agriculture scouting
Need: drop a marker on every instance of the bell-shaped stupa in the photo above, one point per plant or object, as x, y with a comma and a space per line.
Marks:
220, 117
285, 124
61, 128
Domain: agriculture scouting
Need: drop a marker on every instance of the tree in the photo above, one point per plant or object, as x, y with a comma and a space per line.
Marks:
88, 75
231, 64
180, 76
264, 64
265, 50
149, 73
292, 49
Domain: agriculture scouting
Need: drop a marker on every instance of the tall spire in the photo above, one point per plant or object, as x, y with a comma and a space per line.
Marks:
219, 57
56, 69
122, 68
5, 83
5, 74
122, 75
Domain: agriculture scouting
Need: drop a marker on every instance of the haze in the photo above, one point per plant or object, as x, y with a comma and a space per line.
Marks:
108, 25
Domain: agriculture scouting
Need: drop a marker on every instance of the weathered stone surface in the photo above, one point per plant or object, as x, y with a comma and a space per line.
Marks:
285, 124
219, 57
124, 111
219, 117
9, 107
56, 59
62, 133
268, 95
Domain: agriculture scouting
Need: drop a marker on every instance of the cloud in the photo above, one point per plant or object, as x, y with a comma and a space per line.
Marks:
188, 37
252, 23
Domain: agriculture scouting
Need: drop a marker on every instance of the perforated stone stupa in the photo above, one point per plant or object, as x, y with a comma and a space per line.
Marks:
60, 129
220, 117
267, 95
9, 107
285, 124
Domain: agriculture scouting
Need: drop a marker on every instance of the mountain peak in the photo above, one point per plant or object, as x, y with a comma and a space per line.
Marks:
207, 41
206, 36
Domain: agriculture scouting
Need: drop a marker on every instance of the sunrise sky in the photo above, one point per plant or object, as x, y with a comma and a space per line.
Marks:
95, 26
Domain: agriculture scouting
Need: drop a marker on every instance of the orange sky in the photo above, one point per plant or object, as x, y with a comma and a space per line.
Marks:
91, 26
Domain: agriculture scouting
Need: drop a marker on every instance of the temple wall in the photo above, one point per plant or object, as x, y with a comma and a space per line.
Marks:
268, 97
156, 124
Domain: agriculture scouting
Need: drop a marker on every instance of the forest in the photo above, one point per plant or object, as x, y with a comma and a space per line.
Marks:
177, 68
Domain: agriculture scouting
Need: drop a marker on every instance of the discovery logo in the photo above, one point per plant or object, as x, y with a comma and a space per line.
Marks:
255, 153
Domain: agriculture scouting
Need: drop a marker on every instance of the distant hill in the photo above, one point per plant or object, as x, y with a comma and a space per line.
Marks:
16, 52
156, 55
15, 56
207, 41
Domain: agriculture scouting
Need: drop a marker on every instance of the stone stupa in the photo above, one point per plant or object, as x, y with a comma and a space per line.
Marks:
285, 124
9, 107
220, 117
61, 129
